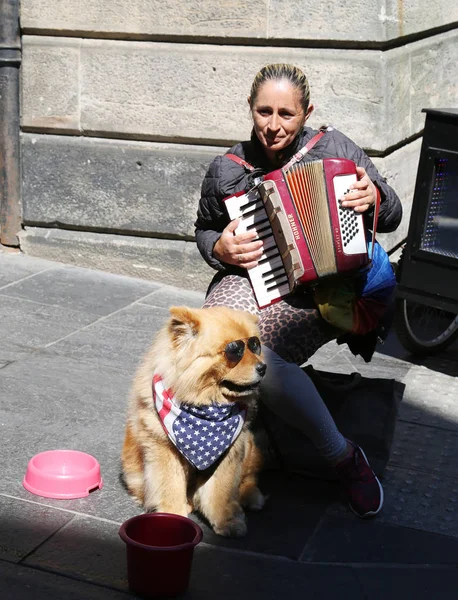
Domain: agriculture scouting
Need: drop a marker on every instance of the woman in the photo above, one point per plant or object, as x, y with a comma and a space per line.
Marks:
292, 329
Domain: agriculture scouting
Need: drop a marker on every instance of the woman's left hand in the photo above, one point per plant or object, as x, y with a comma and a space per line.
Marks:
362, 194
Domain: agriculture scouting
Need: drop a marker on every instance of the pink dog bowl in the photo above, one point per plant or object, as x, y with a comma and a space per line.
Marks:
62, 474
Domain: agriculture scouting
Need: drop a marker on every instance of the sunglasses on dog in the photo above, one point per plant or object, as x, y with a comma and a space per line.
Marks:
234, 351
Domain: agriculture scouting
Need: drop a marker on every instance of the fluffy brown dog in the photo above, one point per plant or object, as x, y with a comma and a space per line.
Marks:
187, 444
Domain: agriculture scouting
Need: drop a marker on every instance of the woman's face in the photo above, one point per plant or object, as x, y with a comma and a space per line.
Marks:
278, 115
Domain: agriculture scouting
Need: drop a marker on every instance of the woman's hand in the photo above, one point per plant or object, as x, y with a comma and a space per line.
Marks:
239, 249
362, 194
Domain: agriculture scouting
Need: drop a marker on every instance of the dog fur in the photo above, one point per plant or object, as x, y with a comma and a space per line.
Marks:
188, 353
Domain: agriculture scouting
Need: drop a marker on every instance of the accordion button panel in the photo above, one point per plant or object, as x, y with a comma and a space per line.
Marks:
351, 223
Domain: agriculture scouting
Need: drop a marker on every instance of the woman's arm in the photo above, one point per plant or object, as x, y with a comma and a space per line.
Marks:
215, 234
211, 219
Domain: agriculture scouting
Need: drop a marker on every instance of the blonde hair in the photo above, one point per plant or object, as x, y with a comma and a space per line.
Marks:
278, 72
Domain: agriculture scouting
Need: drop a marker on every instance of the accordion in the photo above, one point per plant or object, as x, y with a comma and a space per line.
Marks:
307, 234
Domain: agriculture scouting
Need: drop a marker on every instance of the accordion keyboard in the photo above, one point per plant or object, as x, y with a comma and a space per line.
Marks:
269, 278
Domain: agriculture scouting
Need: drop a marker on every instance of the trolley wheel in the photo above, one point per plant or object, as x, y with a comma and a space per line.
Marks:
424, 330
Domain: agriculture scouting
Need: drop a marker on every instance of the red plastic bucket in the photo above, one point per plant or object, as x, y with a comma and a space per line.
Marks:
159, 550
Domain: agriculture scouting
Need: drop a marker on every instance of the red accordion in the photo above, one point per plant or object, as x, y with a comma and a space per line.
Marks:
307, 234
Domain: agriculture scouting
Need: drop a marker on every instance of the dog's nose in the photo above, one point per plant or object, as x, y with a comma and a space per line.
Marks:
261, 368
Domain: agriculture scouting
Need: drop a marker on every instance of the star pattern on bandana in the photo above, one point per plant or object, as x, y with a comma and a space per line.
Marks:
203, 434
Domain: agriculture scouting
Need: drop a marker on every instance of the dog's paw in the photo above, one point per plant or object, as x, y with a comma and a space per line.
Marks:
254, 500
235, 528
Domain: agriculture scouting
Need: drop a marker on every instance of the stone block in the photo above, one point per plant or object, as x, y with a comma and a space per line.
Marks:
189, 92
173, 262
383, 20
401, 18
50, 84
278, 19
166, 91
121, 186
229, 18
330, 20
433, 79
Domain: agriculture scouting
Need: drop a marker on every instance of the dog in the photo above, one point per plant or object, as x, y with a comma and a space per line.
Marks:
187, 442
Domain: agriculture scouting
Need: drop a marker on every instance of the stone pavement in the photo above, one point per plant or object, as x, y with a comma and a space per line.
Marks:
70, 341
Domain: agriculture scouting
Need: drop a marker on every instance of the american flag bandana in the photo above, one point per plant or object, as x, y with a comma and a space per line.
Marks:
201, 433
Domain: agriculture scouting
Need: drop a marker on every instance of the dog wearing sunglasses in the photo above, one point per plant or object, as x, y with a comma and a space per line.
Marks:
187, 442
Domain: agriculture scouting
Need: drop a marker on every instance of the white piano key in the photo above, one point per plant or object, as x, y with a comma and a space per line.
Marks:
266, 298
234, 203
252, 220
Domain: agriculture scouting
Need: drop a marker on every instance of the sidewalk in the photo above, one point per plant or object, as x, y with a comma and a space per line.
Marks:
71, 340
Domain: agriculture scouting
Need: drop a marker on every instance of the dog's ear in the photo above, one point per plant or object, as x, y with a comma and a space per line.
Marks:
184, 323
254, 318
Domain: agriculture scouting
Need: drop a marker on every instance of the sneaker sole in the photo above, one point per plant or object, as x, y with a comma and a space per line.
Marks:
374, 512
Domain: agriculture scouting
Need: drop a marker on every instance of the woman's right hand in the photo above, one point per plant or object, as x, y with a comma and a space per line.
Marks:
238, 249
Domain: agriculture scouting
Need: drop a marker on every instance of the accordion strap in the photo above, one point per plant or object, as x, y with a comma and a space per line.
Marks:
374, 225
308, 146
241, 162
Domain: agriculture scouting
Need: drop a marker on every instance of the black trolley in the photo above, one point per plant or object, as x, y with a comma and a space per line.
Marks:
427, 292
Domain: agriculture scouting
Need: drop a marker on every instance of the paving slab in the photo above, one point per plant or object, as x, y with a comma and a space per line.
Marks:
429, 450
355, 541
399, 584
229, 574
117, 341
15, 267
28, 326
420, 500
168, 296
430, 398
25, 583
80, 289
88, 549
26, 525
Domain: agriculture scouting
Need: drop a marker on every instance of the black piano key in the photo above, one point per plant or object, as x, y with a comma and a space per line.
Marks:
277, 284
264, 236
250, 205
256, 225
264, 229
270, 254
273, 272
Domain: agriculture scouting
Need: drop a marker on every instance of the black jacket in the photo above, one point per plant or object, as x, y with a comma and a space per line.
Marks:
225, 177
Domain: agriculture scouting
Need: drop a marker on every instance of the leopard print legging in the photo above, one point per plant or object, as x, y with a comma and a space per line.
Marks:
292, 327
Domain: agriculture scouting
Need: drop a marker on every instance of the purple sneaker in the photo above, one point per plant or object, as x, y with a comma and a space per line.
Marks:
362, 488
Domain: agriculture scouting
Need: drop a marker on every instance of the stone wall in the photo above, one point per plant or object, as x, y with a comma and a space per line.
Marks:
125, 104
